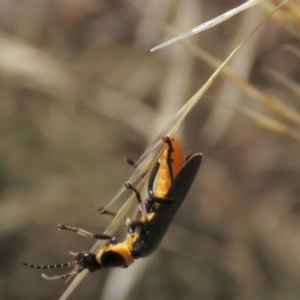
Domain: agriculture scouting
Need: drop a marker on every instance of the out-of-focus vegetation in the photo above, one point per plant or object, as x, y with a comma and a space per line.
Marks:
80, 90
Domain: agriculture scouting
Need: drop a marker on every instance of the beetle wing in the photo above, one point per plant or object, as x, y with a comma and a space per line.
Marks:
156, 229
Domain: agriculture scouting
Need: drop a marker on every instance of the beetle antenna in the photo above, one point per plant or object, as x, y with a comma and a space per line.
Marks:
68, 264
66, 275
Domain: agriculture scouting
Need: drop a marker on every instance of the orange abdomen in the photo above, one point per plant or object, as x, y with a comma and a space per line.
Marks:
163, 182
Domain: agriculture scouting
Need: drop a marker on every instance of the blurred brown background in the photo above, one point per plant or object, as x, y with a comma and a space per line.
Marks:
80, 90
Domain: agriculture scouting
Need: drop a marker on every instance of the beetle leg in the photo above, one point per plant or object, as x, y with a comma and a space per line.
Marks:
97, 236
165, 200
131, 162
161, 200
104, 211
149, 203
168, 141
129, 186
132, 225
130, 229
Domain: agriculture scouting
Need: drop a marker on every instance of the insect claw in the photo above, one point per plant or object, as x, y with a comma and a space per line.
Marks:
61, 226
104, 211
130, 162
128, 185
